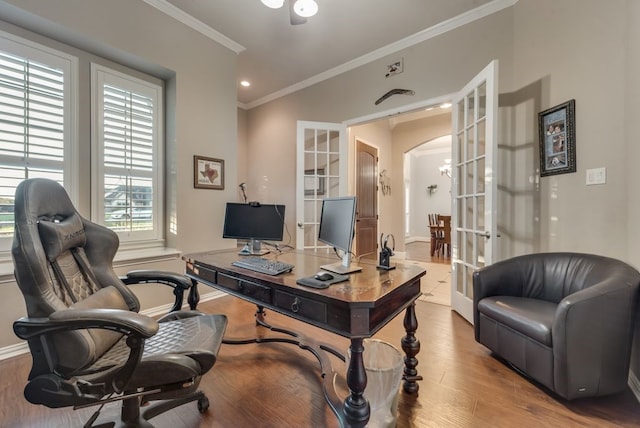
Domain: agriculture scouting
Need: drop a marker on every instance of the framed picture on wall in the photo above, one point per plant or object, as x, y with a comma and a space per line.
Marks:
556, 127
208, 173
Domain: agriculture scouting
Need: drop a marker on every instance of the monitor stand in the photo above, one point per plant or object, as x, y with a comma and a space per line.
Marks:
252, 248
343, 267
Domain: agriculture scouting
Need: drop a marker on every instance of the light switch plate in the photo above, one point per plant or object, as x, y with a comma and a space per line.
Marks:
596, 176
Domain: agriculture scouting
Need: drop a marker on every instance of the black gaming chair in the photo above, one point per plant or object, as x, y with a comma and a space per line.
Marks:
88, 343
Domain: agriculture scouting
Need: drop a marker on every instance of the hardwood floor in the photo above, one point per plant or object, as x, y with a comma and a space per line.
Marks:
420, 251
278, 385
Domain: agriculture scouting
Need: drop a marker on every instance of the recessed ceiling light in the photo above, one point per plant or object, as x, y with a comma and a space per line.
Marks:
445, 105
273, 4
305, 8
245, 83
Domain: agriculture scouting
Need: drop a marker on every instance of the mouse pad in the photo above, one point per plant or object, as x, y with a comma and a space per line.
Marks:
310, 281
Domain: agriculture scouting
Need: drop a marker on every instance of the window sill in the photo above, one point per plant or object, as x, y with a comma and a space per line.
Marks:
144, 255
123, 258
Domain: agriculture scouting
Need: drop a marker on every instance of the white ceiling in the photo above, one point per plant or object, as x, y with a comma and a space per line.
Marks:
277, 57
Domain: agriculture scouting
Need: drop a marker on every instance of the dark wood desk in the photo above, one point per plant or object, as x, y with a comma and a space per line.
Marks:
356, 309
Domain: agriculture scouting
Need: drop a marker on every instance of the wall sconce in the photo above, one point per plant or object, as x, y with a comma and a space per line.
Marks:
432, 189
446, 168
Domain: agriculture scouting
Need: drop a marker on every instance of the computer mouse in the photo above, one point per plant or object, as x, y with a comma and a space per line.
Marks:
324, 276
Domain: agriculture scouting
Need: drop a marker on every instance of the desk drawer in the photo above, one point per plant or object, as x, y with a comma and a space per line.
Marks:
307, 308
246, 288
206, 274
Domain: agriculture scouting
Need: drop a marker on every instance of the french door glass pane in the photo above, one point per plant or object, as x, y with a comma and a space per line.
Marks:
471, 105
482, 100
480, 175
460, 277
482, 137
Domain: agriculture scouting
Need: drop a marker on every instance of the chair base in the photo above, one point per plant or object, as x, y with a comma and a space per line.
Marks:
131, 417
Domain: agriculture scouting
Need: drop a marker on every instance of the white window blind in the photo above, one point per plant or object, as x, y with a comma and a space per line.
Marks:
128, 167
35, 120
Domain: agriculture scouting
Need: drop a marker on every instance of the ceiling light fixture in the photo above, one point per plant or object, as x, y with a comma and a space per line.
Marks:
273, 4
245, 83
305, 8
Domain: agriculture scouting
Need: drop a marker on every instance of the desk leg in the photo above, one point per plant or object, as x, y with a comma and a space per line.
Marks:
260, 314
194, 296
356, 407
411, 347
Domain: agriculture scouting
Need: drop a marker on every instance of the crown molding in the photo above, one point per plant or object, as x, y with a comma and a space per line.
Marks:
419, 37
179, 15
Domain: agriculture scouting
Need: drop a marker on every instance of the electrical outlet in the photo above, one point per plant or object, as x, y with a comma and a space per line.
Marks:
395, 67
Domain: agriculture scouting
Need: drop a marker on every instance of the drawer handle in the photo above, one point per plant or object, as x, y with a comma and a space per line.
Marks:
295, 306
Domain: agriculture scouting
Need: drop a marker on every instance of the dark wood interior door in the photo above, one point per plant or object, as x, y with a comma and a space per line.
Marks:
367, 194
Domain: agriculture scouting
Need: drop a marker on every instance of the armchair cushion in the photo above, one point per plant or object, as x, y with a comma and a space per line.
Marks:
531, 317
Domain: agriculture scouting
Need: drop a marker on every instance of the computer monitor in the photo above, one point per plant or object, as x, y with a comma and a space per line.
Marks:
337, 230
254, 222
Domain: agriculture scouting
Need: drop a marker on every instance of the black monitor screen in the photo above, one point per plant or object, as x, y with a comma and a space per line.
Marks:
253, 221
336, 222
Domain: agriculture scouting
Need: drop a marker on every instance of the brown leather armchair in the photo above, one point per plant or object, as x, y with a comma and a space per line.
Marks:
563, 319
88, 343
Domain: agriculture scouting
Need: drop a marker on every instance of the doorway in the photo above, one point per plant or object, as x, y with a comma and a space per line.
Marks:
427, 187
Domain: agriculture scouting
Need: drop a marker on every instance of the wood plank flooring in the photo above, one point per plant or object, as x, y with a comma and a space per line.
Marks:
420, 251
278, 385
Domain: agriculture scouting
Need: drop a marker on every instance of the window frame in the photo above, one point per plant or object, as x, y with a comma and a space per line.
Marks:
54, 58
100, 75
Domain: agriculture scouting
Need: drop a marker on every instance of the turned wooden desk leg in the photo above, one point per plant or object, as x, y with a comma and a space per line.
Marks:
356, 407
194, 297
260, 314
411, 347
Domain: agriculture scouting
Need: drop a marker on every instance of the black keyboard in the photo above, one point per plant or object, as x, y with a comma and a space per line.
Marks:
262, 265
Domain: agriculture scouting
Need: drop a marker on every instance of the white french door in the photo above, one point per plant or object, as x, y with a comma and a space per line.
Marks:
321, 172
474, 186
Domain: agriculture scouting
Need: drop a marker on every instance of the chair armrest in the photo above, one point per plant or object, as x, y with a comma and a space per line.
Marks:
594, 326
136, 327
178, 282
167, 278
125, 322
608, 305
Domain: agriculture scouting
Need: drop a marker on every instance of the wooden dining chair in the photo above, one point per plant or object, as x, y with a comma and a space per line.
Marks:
436, 236
444, 240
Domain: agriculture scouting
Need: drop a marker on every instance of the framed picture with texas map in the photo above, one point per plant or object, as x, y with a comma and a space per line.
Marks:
208, 173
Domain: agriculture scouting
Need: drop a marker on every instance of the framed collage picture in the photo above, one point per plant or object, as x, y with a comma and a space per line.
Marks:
556, 127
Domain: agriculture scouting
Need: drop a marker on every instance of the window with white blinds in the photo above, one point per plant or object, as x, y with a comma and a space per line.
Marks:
127, 155
36, 93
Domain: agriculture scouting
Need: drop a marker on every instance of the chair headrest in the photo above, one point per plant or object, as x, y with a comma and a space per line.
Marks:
59, 235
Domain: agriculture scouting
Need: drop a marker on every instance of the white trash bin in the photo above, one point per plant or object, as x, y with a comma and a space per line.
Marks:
383, 364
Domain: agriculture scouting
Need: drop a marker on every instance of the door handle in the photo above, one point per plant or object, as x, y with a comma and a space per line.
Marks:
487, 234
300, 225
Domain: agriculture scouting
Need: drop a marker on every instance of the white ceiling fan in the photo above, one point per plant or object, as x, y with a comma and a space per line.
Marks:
299, 10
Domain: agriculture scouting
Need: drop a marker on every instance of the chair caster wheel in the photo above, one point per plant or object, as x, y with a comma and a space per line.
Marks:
203, 404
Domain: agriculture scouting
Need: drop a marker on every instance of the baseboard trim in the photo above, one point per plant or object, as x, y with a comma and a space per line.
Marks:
634, 384
22, 347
